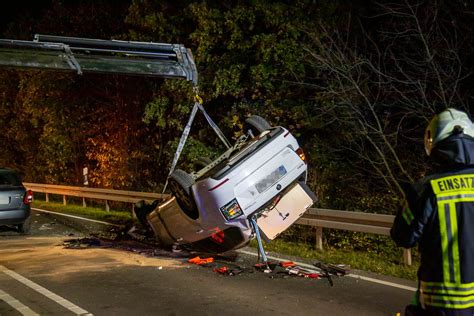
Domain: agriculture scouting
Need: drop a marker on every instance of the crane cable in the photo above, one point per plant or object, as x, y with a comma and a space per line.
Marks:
198, 101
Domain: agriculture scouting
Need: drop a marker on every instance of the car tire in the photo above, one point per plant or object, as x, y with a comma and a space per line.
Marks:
202, 162
180, 183
25, 227
256, 124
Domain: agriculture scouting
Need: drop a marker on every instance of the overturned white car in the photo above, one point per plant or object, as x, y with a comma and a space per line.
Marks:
262, 177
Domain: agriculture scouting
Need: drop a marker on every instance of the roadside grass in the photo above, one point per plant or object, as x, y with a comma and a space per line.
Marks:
360, 260
387, 263
92, 212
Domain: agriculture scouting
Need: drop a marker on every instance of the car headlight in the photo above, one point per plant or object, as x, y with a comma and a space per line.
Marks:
231, 210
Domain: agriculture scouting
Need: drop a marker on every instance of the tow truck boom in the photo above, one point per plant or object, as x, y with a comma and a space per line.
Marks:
84, 55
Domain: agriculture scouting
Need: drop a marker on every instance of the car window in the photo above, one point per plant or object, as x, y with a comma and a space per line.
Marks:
8, 178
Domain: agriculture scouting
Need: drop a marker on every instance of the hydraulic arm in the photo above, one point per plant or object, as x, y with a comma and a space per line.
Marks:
84, 55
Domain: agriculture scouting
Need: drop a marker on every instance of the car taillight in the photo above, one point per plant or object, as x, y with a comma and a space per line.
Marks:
231, 210
28, 198
300, 153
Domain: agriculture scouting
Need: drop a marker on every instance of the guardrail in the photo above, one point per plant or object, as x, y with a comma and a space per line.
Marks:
314, 217
352, 221
94, 193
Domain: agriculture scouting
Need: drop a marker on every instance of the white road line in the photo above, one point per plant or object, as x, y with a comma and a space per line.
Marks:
16, 304
356, 276
76, 217
54, 297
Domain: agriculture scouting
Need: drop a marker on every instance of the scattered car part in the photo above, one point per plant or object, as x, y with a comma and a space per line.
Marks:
287, 264
200, 261
338, 270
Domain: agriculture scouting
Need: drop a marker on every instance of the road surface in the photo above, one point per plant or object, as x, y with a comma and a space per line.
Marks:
38, 275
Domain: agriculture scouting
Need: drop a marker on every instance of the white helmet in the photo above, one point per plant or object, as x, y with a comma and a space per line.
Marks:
445, 124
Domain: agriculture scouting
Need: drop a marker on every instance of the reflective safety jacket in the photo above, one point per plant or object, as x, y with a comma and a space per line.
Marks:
439, 215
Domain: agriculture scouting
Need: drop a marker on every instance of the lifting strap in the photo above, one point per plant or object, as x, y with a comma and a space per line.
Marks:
197, 105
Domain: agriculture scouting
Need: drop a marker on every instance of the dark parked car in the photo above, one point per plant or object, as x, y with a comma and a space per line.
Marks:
15, 201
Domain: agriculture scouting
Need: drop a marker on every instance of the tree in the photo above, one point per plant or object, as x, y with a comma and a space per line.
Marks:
383, 86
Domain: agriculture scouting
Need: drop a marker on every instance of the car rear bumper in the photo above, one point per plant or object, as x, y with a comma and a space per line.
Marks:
171, 225
15, 216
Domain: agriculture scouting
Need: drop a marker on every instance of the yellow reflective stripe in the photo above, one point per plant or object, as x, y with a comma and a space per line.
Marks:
407, 215
433, 288
456, 198
448, 284
449, 240
447, 292
451, 305
448, 298
462, 182
455, 242
444, 241
448, 301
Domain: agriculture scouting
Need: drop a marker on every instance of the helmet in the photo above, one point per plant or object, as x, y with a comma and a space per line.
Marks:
447, 123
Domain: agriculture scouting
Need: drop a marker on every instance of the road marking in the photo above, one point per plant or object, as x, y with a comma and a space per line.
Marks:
16, 304
54, 297
76, 217
356, 276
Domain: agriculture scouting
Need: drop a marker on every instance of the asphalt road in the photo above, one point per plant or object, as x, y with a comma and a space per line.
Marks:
38, 275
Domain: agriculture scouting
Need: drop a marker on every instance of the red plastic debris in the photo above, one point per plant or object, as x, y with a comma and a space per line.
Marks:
287, 264
222, 270
312, 275
198, 260
228, 271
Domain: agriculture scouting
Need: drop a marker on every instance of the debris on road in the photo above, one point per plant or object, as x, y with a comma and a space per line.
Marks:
200, 261
228, 271
287, 264
339, 269
222, 265
125, 245
282, 269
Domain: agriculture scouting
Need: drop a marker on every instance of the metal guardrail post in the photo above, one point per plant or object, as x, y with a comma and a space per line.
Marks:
407, 256
319, 238
47, 197
84, 202
107, 207
64, 200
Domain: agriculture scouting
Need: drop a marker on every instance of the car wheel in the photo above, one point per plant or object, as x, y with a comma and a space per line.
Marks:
202, 162
180, 183
25, 227
256, 124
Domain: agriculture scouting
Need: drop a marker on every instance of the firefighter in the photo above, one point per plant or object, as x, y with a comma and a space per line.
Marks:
439, 215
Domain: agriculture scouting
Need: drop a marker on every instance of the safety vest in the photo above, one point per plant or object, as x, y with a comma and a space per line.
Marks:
452, 286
